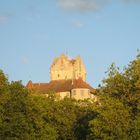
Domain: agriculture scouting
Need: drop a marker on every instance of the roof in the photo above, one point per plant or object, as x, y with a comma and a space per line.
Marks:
59, 86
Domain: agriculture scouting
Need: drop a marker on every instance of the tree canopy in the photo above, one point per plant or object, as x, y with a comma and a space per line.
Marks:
114, 116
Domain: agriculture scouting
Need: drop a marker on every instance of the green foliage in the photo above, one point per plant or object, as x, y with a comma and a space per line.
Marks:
115, 116
3, 82
21, 115
112, 121
84, 115
125, 87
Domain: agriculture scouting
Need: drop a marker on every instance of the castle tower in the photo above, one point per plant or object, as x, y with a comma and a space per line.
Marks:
64, 68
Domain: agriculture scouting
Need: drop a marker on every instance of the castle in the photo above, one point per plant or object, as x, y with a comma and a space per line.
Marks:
63, 69
67, 79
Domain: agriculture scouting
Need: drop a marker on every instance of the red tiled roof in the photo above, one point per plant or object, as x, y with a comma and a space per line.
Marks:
59, 86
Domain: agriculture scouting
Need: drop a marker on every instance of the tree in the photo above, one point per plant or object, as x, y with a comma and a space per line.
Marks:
21, 115
112, 120
125, 87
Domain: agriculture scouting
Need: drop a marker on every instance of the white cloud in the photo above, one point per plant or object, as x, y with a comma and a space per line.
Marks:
82, 5
88, 5
77, 24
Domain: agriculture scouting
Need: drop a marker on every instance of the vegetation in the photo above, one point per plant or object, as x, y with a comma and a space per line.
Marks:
115, 116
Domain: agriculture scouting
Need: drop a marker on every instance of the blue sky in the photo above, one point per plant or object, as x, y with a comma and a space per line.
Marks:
33, 32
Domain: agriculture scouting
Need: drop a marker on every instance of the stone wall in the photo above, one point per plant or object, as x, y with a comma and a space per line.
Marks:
80, 93
63, 68
62, 95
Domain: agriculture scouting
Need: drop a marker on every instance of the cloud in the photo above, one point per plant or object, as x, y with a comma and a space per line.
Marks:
129, 1
77, 24
88, 5
82, 5
4, 18
24, 60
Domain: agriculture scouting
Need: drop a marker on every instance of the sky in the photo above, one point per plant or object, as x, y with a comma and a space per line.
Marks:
34, 32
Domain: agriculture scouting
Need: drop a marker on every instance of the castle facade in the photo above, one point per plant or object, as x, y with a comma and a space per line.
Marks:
64, 68
67, 79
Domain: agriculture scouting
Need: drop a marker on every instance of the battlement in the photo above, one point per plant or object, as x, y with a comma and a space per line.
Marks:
64, 68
